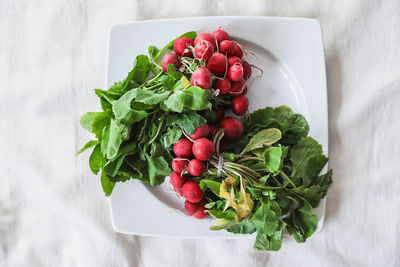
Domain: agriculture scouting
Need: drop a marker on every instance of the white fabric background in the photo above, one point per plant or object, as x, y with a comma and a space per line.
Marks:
52, 209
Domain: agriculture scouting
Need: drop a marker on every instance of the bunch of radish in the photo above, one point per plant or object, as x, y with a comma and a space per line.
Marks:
222, 65
223, 69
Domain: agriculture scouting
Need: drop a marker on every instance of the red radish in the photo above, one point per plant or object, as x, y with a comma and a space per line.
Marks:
213, 130
224, 86
192, 192
217, 64
203, 50
171, 58
237, 87
238, 51
227, 47
183, 148
200, 213
178, 191
246, 69
206, 37
179, 164
191, 207
240, 104
182, 46
177, 180
233, 128
219, 114
201, 131
203, 149
221, 35
233, 60
196, 167
201, 77
235, 72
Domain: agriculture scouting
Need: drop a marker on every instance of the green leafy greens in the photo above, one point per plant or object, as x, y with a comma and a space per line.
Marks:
275, 175
142, 117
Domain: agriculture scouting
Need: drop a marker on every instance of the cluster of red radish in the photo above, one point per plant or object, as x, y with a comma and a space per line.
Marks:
223, 63
191, 154
223, 68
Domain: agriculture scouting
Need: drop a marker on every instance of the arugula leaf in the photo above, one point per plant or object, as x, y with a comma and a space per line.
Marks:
123, 111
265, 220
107, 184
149, 97
87, 120
293, 126
192, 97
324, 181
141, 67
173, 73
171, 136
113, 165
158, 169
307, 159
118, 132
87, 146
273, 158
212, 185
107, 97
311, 194
243, 227
96, 159
269, 242
302, 223
222, 217
189, 121
100, 121
263, 138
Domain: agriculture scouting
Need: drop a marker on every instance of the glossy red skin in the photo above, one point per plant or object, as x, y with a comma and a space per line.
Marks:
183, 148
246, 69
233, 128
217, 64
206, 37
171, 58
238, 51
221, 35
235, 72
182, 44
191, 207
177, 180
202, 78
219, 114
196, 167
203, 149
204, 50
213, 130
240, 104
192, 192
200, 213
223, 85
201, 131
234, 60
227, 47
236, 87
179, 164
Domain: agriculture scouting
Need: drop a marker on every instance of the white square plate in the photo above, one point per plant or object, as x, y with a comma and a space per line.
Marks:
289, 50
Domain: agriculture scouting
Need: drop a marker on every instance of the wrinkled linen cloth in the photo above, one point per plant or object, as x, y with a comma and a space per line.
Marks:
52, 209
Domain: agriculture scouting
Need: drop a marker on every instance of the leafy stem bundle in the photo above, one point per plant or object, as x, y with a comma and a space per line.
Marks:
270, 181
